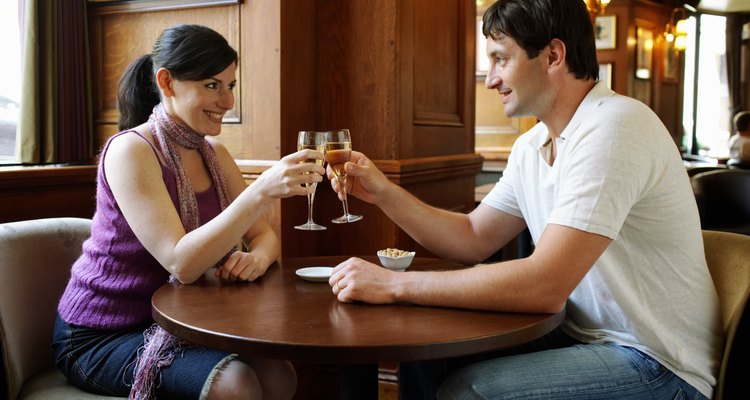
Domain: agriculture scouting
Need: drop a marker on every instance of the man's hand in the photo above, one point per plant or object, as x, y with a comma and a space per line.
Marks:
358, 280
363, 179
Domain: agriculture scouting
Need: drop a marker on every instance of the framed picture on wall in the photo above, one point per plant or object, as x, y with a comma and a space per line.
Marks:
605, 74
605, 30
670, 62
644, 47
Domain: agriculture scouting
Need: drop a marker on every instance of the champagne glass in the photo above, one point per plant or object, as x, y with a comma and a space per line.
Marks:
315, 141
338, 151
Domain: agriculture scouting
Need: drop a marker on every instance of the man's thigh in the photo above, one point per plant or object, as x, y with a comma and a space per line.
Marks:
582, 371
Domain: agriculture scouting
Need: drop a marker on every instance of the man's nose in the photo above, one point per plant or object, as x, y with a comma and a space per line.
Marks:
491, 80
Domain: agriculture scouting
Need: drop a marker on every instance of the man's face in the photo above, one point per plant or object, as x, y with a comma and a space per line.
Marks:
518, 79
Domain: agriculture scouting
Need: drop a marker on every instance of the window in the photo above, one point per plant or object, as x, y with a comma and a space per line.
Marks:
10, 79
711, 122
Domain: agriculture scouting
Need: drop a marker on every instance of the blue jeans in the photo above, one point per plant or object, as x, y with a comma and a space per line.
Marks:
553, 367
102, 361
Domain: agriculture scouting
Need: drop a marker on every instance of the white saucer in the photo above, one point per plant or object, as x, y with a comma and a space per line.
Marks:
315, 274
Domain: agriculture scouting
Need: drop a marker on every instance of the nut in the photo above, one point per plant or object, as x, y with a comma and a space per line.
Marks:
393, 253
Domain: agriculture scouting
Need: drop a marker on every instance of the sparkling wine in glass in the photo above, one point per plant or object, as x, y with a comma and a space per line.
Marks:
338, 151
315, 141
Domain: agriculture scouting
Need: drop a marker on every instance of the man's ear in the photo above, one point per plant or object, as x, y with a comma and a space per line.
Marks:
556, 54
164, 80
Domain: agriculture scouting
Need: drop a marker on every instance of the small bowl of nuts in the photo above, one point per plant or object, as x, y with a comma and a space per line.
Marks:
395, 259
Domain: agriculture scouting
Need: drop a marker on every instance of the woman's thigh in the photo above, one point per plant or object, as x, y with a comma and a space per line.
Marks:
582, 371
103, 362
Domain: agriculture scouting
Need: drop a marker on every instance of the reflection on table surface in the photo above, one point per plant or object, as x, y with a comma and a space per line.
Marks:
283, 316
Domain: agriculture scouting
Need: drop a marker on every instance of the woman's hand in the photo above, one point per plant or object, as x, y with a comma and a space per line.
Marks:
241, 266
289, 176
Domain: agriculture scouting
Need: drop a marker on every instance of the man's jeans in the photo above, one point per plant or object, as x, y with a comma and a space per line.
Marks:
552, 367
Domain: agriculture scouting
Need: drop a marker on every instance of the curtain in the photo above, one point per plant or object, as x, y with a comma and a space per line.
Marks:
54, 124
737, 100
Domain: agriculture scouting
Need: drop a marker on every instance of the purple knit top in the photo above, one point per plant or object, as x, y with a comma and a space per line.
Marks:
112, 282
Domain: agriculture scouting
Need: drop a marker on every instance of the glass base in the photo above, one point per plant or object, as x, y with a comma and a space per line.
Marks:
310, 226
346, 218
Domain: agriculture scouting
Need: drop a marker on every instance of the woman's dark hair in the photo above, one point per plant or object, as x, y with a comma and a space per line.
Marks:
534, 23
189, 52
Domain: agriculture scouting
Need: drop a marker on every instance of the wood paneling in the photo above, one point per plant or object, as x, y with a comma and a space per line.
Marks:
437, 104
400, 76
45, 192
118, 44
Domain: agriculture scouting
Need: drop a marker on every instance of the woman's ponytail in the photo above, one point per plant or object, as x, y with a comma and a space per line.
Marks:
136, 93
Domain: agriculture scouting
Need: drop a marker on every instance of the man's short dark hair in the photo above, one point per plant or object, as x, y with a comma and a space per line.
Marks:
534, 23
742, 121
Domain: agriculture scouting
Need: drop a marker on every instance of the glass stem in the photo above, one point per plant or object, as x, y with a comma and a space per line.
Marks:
310, 199
342, 184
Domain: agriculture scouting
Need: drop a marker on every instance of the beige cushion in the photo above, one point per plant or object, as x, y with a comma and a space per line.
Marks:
728, 258
35, 261
51, 384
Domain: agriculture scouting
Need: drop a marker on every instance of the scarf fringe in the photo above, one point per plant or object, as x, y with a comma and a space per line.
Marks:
159, 348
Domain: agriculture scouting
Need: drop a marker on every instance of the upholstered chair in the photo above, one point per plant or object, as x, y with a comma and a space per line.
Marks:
35, 261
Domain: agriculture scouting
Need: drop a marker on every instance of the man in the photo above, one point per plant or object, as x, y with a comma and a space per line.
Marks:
739, 143
602, 189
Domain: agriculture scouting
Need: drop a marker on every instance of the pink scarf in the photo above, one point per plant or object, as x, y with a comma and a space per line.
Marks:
159, 345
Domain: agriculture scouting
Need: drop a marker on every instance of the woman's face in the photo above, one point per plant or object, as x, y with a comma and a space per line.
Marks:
201, 105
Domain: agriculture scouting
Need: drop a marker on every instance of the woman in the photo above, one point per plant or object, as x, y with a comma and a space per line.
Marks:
171, 201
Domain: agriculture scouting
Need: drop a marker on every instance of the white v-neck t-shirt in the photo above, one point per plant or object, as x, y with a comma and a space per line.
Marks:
618, 173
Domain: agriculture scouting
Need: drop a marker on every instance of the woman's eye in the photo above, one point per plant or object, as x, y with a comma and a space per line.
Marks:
232, 85
212, 85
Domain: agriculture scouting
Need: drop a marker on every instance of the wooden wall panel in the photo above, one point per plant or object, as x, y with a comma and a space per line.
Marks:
46, 192
437, 36
443, 74
117, 43
400, 76
355, 71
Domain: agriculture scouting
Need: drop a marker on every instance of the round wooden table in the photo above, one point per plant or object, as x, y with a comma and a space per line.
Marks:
284, 317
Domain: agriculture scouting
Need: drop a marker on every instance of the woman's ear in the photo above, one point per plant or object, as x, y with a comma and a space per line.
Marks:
164, 80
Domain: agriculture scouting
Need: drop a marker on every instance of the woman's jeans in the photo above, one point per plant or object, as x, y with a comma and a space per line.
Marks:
102, 361
553, 367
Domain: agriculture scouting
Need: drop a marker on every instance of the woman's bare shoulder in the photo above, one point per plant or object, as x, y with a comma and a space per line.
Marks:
132, 146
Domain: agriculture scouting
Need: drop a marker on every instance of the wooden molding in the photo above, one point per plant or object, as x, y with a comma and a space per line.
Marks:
103, 7
418, 170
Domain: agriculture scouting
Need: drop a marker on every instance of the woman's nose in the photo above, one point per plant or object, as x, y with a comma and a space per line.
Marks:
226, 99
